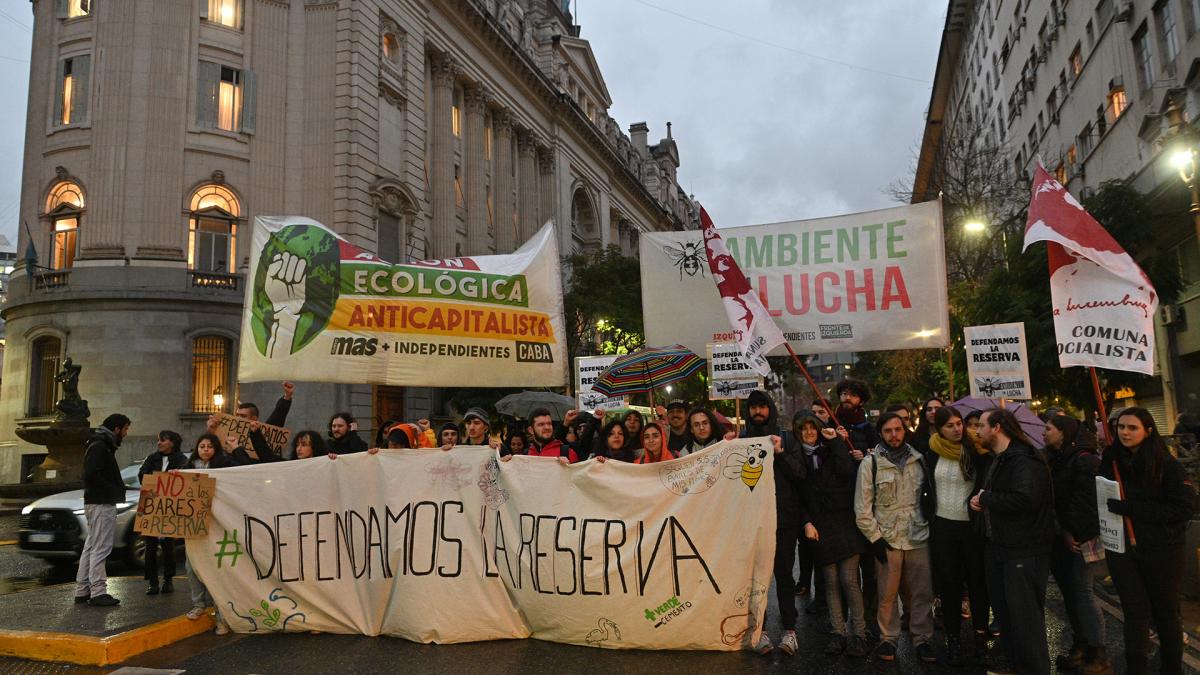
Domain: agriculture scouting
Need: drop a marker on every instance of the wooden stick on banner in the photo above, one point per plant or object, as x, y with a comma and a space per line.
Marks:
1109, 441
737, 415
820, 396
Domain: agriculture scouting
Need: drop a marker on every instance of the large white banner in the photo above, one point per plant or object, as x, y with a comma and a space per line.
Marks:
860, 282
320, 309
998, 361
456, 546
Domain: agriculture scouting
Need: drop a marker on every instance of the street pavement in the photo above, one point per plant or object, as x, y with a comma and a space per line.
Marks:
308, 653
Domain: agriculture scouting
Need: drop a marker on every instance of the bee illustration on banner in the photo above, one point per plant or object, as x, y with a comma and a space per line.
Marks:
746, 465
687, 256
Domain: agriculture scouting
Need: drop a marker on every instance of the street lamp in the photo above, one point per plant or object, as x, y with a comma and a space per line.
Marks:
1183, 156
976, 226
219, 398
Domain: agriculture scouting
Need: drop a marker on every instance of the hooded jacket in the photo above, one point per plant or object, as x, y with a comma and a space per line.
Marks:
102, 482
789, 467
828, 494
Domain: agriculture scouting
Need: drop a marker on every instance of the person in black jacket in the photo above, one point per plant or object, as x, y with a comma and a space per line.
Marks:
259, 451
1157, 505
103, 489
343, 435
1073, 471
1018, 509
837, 544
791, 522
855, 429
168, 457
919, 438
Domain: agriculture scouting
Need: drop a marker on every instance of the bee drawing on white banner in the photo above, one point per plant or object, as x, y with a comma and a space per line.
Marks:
688, 256
593, 400
726, 387
605, 630
746, 465
450, 473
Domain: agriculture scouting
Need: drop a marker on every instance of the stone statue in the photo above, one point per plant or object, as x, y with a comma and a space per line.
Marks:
71, 407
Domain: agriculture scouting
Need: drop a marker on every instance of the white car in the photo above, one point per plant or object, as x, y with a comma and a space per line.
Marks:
54, 527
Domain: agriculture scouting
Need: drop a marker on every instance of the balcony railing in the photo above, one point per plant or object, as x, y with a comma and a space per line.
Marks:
214, 280
51, 280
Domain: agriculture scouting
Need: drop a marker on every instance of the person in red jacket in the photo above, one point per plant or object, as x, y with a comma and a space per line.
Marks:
541, 431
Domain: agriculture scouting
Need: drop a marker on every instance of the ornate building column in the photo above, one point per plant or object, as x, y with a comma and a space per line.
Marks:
502, 183
527, 189
548, 191
443, 236
479, 240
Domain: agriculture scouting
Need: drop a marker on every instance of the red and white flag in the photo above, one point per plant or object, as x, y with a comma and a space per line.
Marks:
1104, 304
753, 327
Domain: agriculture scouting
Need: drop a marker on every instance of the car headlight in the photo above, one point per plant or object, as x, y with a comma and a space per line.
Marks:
27, 510
124, 506
79, 512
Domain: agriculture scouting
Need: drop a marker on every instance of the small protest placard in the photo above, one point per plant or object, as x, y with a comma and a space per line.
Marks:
277, 437
730, 376
587, 371
175, 505
997, 361
1112, 526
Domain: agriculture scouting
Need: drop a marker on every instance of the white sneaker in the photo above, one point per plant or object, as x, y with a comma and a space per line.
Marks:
764, 645
196, 612
787, 644
222, 627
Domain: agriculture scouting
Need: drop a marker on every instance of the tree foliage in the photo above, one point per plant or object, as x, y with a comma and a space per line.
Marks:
603, 303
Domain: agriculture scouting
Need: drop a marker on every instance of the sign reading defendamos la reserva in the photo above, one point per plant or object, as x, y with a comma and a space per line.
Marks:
319, 308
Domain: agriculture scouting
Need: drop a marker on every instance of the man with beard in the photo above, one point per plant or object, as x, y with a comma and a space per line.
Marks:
343, 435
890, 502
541, 430
677, 419
791, 520
855, 429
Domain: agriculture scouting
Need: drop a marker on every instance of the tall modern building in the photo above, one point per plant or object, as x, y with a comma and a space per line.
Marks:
1099, 90
158, 129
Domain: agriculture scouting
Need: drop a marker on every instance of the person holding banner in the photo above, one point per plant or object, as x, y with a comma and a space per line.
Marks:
477, 425
633, 423
615, 444
654, 444
168, 457
1157, 503
956, 468
207, 455
677, 420
103, 489
856, 429
828, 493
1017, 504
704, 428
308, 444
541, 429
448, 435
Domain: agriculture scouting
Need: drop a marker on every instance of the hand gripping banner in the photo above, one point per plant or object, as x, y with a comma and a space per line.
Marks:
457, 546
321, 309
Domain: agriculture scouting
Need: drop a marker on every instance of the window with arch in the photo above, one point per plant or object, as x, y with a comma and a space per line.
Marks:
211, 373
45, 358
212, 229
64, 208
391, 48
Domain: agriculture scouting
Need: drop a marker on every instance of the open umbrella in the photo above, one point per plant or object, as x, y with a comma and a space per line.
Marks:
1030, 423
647, 369
522, 403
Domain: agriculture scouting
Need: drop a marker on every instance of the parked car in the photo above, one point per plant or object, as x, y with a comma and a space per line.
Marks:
54, 527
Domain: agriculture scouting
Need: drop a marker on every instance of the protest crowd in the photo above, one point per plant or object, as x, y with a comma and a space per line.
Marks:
909, 522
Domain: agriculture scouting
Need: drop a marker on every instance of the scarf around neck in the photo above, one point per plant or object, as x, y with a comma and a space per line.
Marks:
944, 448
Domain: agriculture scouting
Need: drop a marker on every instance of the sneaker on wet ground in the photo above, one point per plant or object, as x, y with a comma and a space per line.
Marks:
887, 651
787, 643
764, 645
836, 645
196, 612
103, 600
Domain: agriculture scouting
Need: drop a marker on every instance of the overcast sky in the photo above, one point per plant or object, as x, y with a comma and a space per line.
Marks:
769, 127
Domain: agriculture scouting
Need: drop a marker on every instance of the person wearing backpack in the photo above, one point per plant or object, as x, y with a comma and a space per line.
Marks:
891, 499
1157, 503
1018, 508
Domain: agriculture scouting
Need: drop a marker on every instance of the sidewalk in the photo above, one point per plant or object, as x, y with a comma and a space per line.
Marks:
45, 624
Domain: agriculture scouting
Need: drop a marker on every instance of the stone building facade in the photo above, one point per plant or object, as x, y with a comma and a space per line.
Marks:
1086, 87
158, 129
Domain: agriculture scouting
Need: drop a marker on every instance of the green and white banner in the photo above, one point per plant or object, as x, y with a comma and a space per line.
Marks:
457, 546
859, 282
320, 309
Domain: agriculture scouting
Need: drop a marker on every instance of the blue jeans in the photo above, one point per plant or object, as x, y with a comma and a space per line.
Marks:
1083, 611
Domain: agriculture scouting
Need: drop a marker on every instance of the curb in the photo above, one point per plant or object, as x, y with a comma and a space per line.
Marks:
93, 651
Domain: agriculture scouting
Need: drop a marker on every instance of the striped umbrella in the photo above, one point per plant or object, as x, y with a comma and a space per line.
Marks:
647, 369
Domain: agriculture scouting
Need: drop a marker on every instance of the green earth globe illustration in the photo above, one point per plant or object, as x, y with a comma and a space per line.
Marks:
295, 289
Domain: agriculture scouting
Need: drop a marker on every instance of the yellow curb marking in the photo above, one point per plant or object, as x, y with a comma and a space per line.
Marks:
93, 651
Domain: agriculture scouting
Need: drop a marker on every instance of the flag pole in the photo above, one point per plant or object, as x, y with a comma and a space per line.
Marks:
1100, 405
820, 397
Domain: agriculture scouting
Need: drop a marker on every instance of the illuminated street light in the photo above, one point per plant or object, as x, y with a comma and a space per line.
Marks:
974, 227
219, 398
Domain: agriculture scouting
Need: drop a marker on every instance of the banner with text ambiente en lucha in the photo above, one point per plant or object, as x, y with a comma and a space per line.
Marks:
859, 282
320, 309
457, 546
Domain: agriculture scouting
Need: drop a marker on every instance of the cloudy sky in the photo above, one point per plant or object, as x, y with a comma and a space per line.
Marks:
782, 109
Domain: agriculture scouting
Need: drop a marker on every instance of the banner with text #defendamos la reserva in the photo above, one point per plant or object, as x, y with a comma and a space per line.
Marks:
320, 309
859, 282
456, 546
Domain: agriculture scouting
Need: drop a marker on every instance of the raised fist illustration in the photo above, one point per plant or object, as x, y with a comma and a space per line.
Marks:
284, 287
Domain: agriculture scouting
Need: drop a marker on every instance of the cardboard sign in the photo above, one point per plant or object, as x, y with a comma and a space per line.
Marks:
277, 437
587, 369
1112, 526
730, 376
998, 361
175, 505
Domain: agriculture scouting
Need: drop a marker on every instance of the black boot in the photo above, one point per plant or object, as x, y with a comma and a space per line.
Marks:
1071, 661
168, 585
1095, 662
954, 653
152, 589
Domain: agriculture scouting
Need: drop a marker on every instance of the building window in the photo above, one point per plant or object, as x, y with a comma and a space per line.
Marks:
1164, 17
1116, 105
225, 12
45, 358
70, 9
389, 237
212, 230
1143, 58
225, 98
459, 199
391, 48
1084, 140
1076, 61
71, 95
1060, 174
210, 373
64, 208
456, 107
